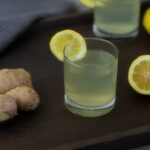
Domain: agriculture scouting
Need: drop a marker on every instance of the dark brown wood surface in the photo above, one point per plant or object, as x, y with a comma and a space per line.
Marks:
52, 126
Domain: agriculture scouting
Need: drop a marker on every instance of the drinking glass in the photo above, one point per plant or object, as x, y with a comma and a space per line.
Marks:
90, 83
116, 18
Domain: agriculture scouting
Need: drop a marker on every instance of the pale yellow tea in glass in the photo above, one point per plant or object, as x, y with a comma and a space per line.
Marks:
90, 83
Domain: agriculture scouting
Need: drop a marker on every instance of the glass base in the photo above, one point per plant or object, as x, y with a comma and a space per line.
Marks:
104, 34
88, 111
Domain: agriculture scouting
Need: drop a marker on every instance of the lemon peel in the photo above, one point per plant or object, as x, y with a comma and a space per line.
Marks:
146, 20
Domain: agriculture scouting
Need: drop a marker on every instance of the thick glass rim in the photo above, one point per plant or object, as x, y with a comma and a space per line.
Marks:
74, 63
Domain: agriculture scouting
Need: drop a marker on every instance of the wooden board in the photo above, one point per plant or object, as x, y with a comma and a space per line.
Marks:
52, 126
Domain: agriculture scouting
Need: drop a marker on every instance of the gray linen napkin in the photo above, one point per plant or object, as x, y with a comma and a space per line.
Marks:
17, 15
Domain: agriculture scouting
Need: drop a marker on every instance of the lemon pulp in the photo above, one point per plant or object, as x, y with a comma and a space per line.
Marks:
71, 40
139, 75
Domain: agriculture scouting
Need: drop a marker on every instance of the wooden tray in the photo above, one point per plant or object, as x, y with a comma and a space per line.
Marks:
52, 126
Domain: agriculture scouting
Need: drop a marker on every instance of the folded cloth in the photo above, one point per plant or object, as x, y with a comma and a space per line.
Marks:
17, 15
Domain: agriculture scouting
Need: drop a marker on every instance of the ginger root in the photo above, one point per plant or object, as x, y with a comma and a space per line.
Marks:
12, 78
26, 97
8, 107
16, 92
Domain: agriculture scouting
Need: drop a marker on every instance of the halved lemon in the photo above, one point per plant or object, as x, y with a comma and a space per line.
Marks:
139, 74
146, 20
73, 41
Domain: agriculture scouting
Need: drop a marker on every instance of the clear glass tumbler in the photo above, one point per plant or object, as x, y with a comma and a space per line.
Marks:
90, 83
116, 18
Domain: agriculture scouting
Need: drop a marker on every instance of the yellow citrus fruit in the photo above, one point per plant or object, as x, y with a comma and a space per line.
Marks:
88, 3
139, 74
91, 3
146, 20
72, 41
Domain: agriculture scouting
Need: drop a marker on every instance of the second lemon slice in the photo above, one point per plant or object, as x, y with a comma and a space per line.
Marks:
72, 41
93, 3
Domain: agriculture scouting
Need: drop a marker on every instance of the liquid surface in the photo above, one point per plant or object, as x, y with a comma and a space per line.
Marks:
117, 16
92, 80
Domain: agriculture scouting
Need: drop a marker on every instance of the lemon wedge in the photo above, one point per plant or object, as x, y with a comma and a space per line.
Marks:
139, 74
72, 41
146, 20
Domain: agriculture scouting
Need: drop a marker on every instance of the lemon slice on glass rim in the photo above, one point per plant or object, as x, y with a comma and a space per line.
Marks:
72, 41
139, 74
